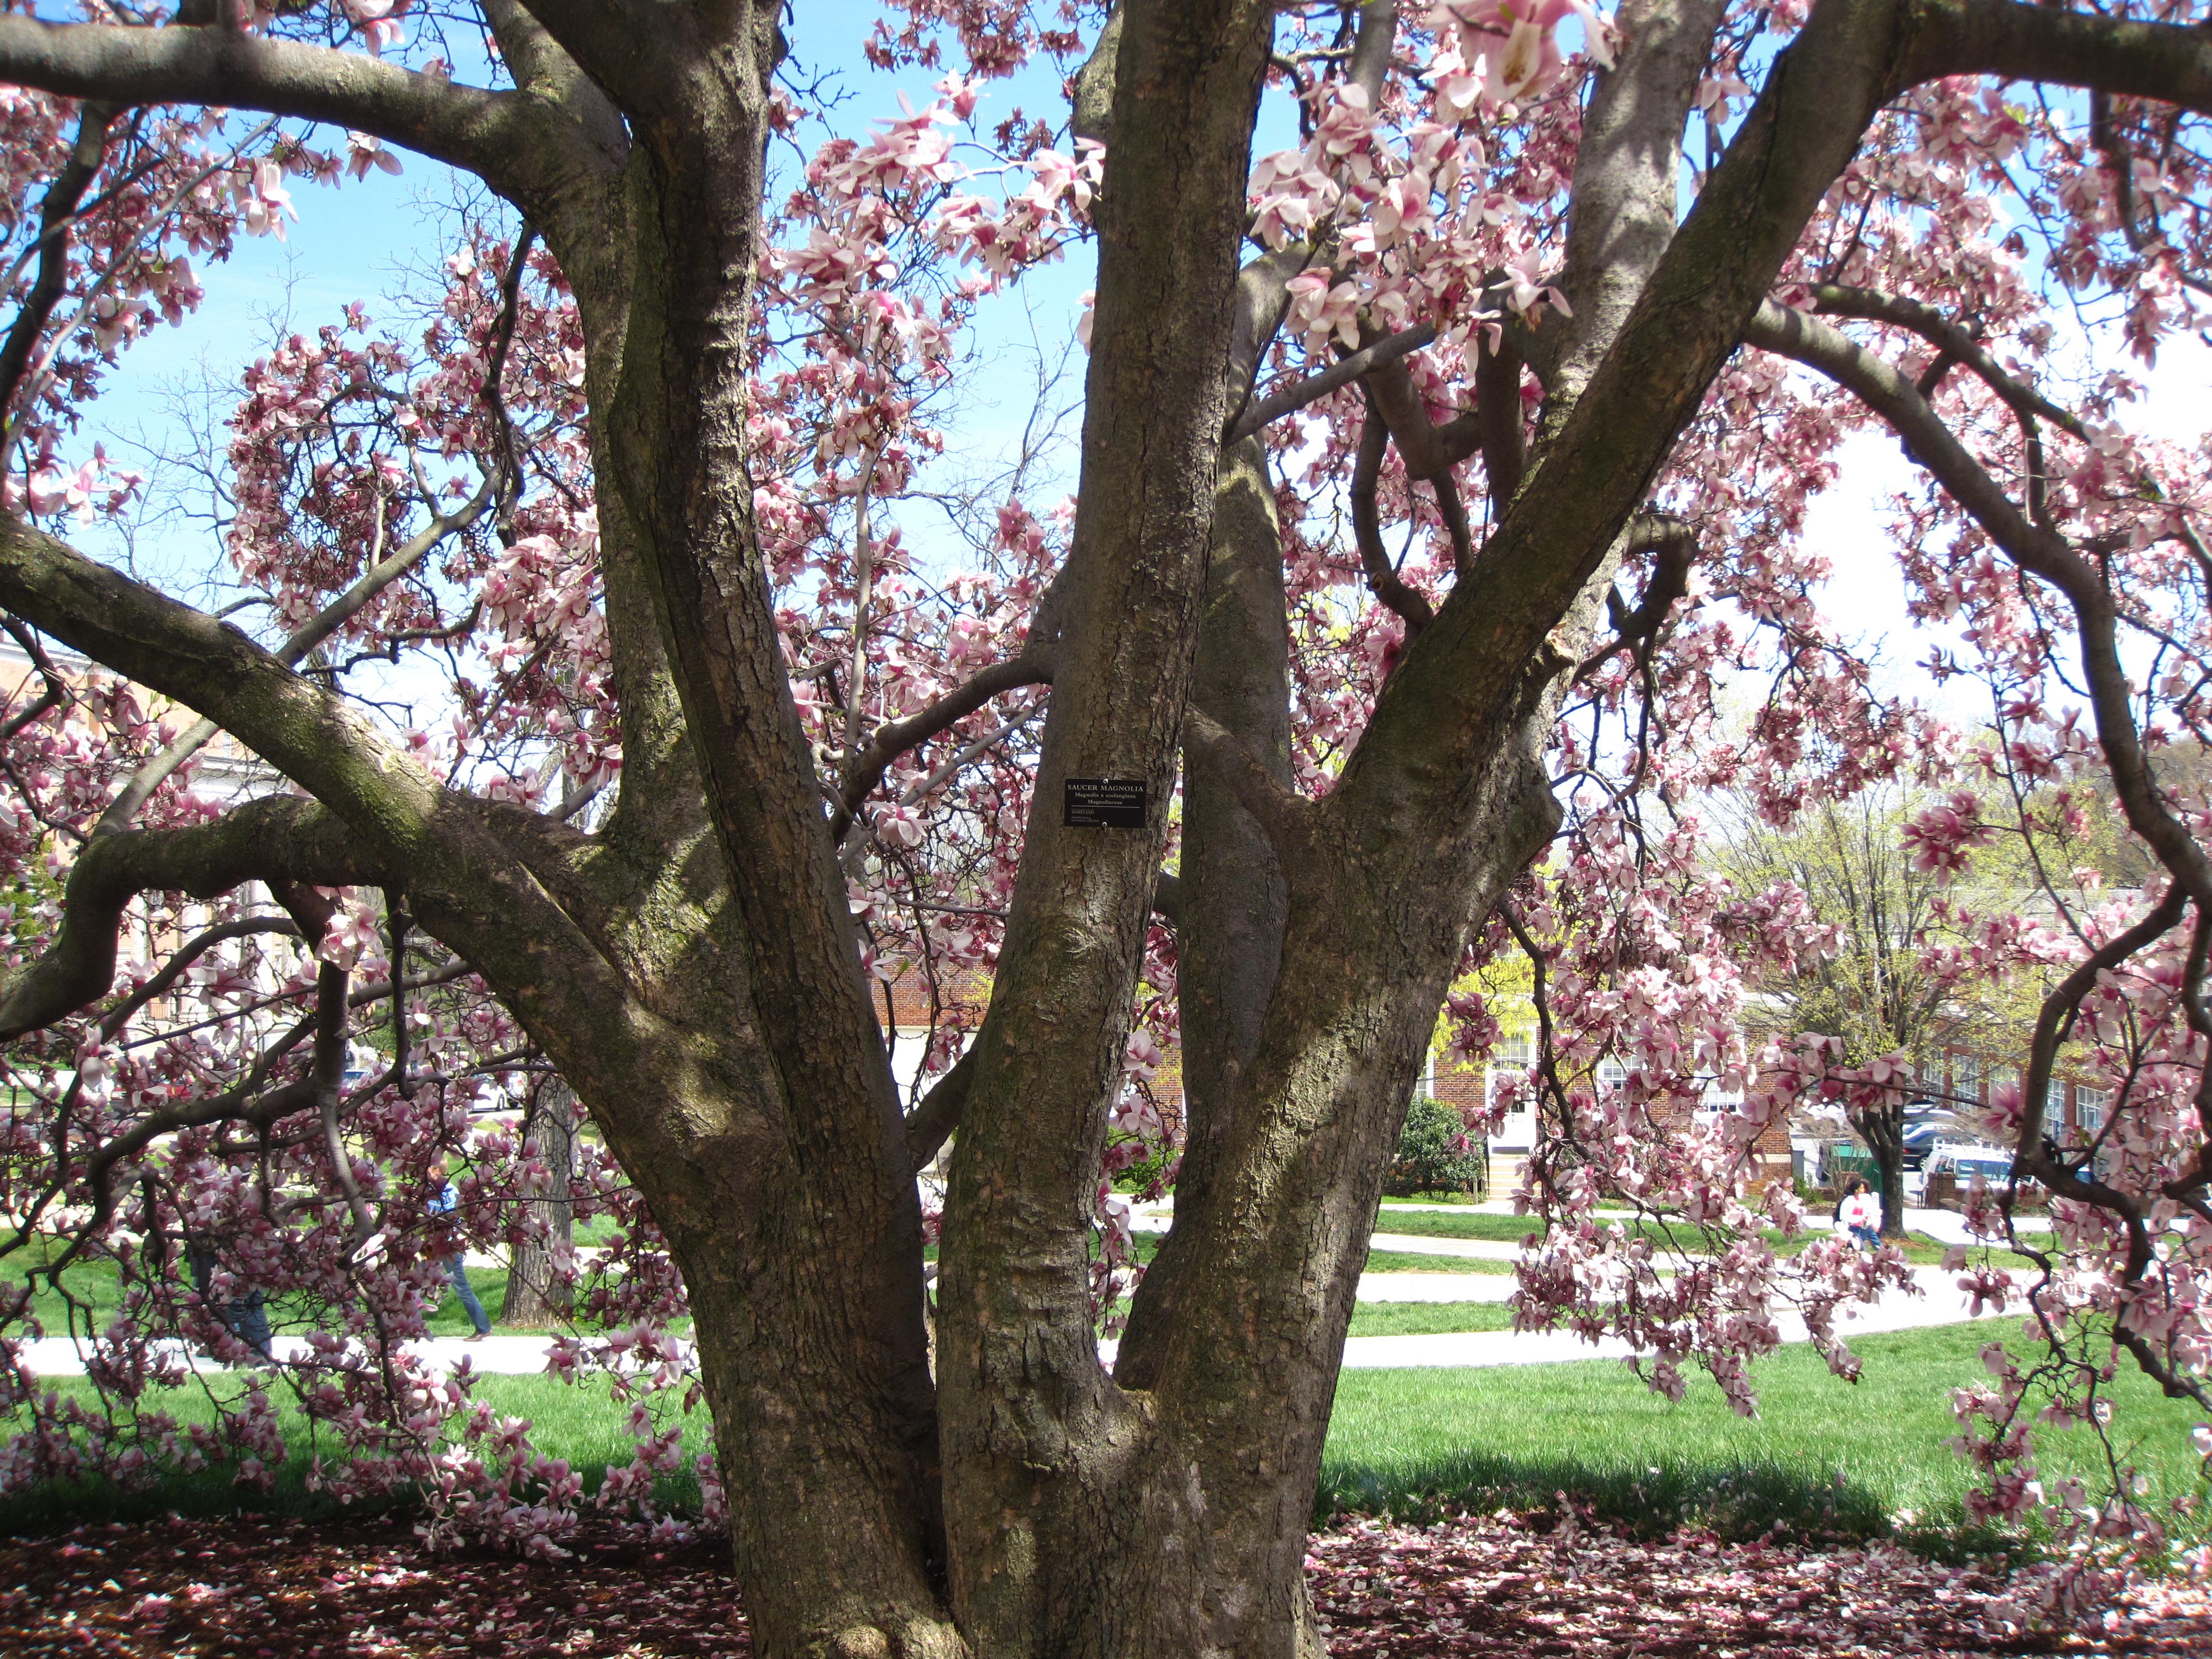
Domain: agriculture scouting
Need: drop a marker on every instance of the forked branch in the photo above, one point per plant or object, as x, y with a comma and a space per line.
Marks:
1382, 577
279, 838
56, 211
516, 144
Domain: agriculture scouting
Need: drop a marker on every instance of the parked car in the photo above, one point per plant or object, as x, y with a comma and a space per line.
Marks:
1921, 1138
1963, 1162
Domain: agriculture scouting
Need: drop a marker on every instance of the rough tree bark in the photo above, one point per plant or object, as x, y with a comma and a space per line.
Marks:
692, 968
549, 1132
1883, 1127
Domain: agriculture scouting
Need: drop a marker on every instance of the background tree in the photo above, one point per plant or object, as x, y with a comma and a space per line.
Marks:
1873, 989
539, 1275
636, 484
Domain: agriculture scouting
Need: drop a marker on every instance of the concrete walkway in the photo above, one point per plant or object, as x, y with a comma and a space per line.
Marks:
1948, 1226
1940, 1302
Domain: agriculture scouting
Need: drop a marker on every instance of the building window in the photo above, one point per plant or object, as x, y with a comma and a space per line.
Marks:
1966, 1079
1508, 1076
2089, 1108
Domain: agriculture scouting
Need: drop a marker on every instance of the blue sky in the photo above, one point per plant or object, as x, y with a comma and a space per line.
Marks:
361, 240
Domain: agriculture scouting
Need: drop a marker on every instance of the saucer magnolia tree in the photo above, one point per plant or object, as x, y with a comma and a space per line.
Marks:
1434, 469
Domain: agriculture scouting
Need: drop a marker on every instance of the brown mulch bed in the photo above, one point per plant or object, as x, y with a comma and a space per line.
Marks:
250, 1588
281, 1589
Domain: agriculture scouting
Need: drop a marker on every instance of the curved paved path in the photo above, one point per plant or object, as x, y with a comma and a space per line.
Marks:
1940, 1302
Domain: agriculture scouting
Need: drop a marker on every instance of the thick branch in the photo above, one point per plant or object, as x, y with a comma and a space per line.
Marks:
1951, 341
281, 836
2163, 61
56, 212
1285, 814
308, 732
1315, 387
931, 1124
1673, 544
1601, 449
1167, 897
1367, 529
2050, 1028
1627, 168
1263, 285
1453, 511
1091, 113
517, 145
634, 52
312, 633
1497, 418
866, 769
541, 68
1890, 394
2036, 550
1429, 451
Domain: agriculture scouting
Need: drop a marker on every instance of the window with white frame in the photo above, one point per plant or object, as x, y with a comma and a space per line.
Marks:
2090, 1106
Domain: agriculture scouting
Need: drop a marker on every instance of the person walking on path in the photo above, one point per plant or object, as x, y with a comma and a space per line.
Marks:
1861, 1211
455, 1266
246, 1317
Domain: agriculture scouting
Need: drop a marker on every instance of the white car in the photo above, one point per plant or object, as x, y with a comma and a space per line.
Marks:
1963, 1162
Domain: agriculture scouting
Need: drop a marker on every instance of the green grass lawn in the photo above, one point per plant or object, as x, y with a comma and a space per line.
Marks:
1823, 1457
1406, 1261
1423, 1200
1429, 1318
1446, 1223
94, 1283
578, 1422
1919, 1248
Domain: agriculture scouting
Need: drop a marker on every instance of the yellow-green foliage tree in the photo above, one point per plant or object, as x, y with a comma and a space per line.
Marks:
1878, 989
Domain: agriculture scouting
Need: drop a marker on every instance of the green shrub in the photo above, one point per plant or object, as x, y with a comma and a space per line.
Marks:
1436, 1154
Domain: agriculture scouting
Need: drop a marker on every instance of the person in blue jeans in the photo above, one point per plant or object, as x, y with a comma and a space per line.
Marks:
246, 1317
456, 1267
1861, 1211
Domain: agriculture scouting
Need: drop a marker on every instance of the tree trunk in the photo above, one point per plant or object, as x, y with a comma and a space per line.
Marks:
828, 1448
1883, 1127
1892, 1187
1080, 1527
537, 1287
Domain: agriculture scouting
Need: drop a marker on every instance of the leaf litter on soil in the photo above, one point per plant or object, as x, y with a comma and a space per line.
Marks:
261, 1588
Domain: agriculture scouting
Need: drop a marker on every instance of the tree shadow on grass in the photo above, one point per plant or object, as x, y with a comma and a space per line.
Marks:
56, 1506
1736, 1500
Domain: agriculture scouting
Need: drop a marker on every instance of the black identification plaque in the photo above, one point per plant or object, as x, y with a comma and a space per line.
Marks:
1105, 804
